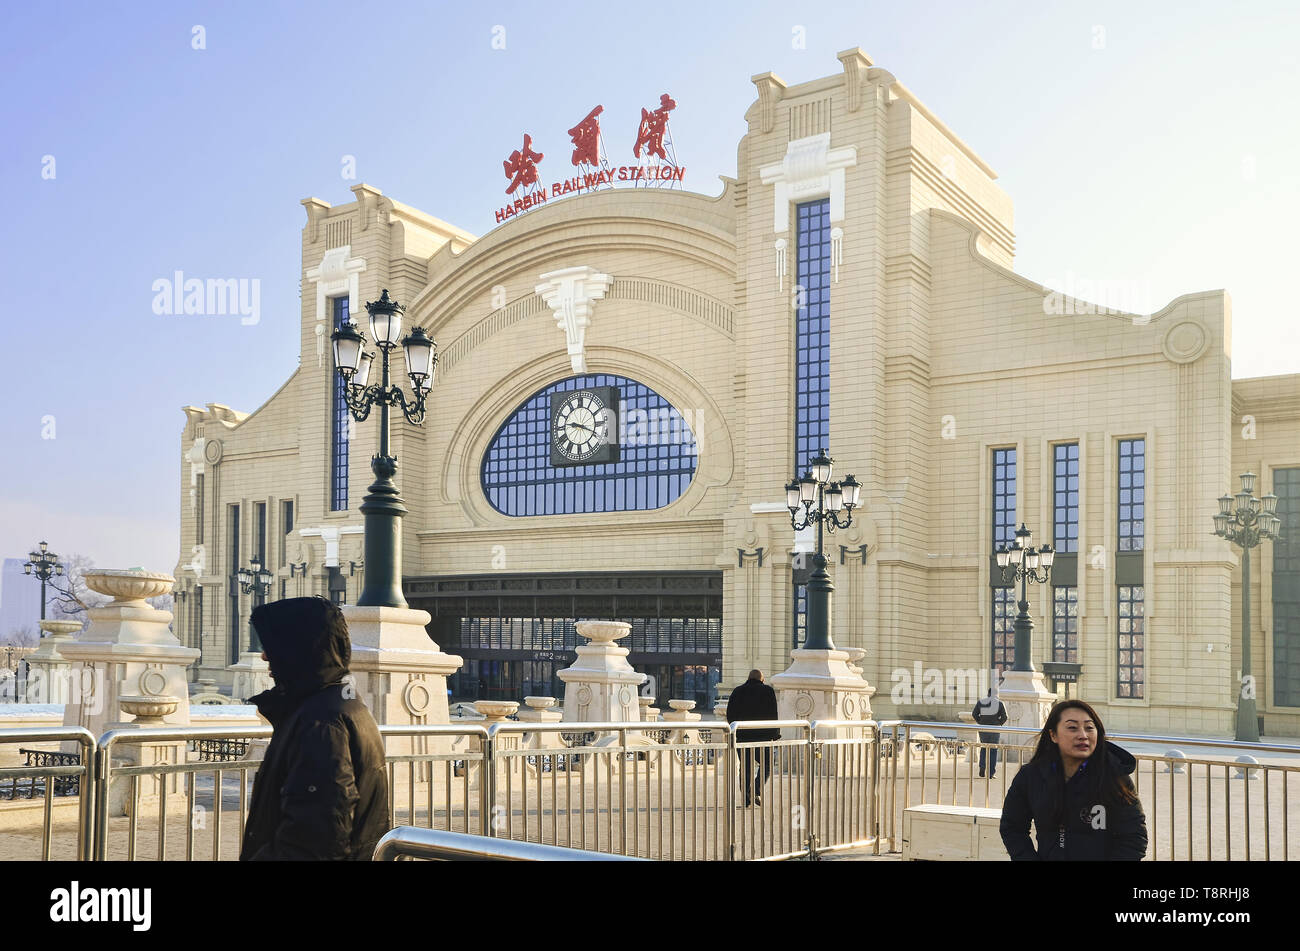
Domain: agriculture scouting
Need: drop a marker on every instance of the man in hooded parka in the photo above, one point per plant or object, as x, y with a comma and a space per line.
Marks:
321, 792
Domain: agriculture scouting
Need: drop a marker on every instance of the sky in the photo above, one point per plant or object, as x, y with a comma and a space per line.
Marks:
1149, 145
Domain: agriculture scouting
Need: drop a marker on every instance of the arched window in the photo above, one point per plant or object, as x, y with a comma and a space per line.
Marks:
656, 462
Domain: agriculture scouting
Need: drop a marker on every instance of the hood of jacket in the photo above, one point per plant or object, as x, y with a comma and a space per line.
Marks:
307, 647
1119, 759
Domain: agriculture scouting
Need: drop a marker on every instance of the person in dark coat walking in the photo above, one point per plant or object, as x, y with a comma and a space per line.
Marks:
322, 790
990, 711
1077, 792
754, 700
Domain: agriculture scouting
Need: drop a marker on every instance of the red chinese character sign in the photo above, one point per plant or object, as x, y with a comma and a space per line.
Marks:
586, 139
521, 167
653, 126
653, 146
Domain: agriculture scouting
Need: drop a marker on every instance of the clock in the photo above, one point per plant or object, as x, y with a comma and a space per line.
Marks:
584, 426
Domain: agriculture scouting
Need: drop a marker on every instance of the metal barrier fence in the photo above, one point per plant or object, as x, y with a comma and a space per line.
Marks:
657, 791
408, 842
52, 775
1192, 804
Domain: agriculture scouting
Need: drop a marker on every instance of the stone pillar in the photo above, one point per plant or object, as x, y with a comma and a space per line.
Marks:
681, 713
127, 651
649, 712
601, 685
819, 685
1028, 701
148, 712
539, 710
252, 676
49, 673
401, 675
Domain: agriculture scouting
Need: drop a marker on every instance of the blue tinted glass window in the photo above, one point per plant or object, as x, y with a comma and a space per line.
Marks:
1132, 493
657, 457
1004, 497
339, 429
1065, 494
812, 332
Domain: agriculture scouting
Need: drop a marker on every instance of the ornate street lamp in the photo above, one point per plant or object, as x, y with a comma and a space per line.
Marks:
255, 580
1247, 521
44, 564
815, 498
1024, 563
382, 506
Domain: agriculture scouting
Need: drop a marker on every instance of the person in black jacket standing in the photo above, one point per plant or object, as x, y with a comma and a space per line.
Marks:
990, 711
322, 790
1077, 792
754, 700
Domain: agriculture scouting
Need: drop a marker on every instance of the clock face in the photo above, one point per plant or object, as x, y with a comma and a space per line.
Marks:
582, 424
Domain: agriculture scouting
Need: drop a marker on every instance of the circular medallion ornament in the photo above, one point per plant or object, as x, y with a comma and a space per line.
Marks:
849, 708
803, 705
583, 696
153, 682
416, 697
212, 451
1185, 342
625, 696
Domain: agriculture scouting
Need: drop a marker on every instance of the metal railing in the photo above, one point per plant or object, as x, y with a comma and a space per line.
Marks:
52, 775
650, 790
408, 842
1192, 804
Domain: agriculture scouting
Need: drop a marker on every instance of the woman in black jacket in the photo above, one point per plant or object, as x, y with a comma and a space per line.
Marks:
1076, 790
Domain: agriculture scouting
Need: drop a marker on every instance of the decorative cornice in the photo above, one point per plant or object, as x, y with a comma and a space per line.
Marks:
810, 168
570, 292
771, 88
856, 66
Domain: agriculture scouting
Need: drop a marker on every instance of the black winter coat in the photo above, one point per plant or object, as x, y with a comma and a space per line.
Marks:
990, 712
322, 790
753, 700
1077, 826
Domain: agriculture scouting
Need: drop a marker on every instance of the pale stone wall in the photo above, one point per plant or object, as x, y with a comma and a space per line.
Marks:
927, 323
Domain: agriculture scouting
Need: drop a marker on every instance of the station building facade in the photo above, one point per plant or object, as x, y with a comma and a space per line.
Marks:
852, 287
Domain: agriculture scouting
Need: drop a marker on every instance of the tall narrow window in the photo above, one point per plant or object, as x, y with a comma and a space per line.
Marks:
812, 332
1065, 624
1131, 641
196, 632
1065, 539
800, 614
339, 429
259, 511
1286, 590
286, 529
198, 504
1132, 493
1065, 520
1003, 611
232, 547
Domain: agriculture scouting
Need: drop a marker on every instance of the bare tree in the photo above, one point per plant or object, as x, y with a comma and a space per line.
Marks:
24, 636
70, 596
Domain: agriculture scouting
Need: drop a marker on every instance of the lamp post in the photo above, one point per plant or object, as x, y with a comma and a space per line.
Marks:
821, 502
44, 564
382, 506
255, 580
1247, 521
1024, 563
